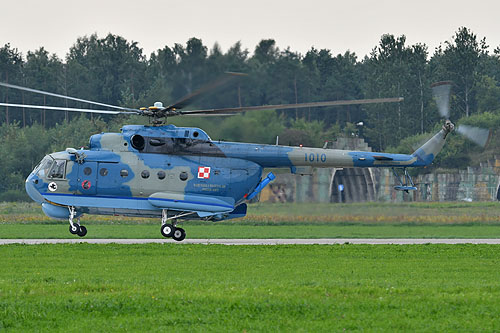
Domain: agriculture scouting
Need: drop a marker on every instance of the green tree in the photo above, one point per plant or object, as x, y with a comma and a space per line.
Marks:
396, 70
487, 94
460, 62
190, 73
259, 84
10, 71
44, 71
21, 150
106, 70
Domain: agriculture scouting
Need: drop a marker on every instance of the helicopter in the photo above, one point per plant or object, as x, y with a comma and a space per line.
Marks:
178, 173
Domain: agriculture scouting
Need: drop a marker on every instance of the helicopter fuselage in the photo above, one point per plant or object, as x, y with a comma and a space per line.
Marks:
147, 170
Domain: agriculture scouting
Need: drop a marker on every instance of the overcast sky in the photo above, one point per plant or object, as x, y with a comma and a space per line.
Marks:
335, 25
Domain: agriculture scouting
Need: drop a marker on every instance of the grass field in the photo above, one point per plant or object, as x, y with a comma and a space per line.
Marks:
180, 287
299, 213
166, 287
213, 231
367, 220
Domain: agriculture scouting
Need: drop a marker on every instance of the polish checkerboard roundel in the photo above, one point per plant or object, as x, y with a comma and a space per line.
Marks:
204, 172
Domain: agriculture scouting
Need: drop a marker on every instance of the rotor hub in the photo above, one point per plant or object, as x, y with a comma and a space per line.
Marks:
448, 126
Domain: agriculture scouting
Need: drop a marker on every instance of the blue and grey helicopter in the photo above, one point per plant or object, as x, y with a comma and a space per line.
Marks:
177, 173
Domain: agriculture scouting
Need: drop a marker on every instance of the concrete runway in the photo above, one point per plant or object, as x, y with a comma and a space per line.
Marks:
325, 241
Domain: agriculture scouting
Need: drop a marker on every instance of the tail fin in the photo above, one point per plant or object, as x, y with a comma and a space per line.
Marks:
429, 150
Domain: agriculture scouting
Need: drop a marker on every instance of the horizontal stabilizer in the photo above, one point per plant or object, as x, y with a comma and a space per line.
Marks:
405, 188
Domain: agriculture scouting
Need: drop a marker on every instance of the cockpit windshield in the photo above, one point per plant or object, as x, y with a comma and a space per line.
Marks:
42, 170
51, 168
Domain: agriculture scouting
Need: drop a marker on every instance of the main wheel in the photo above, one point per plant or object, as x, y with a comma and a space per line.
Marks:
83, 231
74, 229
179, 234
167, 230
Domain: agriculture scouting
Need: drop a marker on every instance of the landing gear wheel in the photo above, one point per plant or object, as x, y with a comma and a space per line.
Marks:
179, 234
83, 231
167, 230
74, 229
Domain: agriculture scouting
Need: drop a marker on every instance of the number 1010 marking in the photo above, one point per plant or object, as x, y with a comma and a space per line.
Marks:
314, 157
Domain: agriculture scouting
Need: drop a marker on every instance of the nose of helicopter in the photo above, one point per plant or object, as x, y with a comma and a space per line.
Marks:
31, 189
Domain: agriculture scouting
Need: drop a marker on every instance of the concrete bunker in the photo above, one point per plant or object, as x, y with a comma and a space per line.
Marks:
352, 185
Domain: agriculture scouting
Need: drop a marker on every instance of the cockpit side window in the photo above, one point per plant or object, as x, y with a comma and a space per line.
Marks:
58, 169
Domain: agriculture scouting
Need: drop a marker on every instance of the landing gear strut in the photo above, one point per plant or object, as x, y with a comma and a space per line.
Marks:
405, 182
75, 228
170, 229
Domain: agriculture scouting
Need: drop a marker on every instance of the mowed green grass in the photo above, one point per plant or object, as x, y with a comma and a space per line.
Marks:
277, 213
173, 287
218, 231
291, 220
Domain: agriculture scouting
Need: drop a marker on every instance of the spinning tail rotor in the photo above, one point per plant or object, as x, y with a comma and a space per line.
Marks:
477, 135
442, 92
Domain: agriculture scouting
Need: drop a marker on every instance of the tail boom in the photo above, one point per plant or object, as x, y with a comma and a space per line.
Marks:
328, 158
272, 156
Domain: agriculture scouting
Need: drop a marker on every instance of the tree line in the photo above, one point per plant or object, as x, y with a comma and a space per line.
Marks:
116, 71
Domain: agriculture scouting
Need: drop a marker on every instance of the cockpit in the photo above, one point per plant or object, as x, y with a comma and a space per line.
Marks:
51, 168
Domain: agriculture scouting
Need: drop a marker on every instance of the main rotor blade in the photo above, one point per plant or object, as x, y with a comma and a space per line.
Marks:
293, 106
57, 108
211, 115
41, 92
441, 92
190, 98
477, 135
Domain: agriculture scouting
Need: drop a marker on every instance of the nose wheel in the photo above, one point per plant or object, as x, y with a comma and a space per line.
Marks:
75, 228
83, 231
